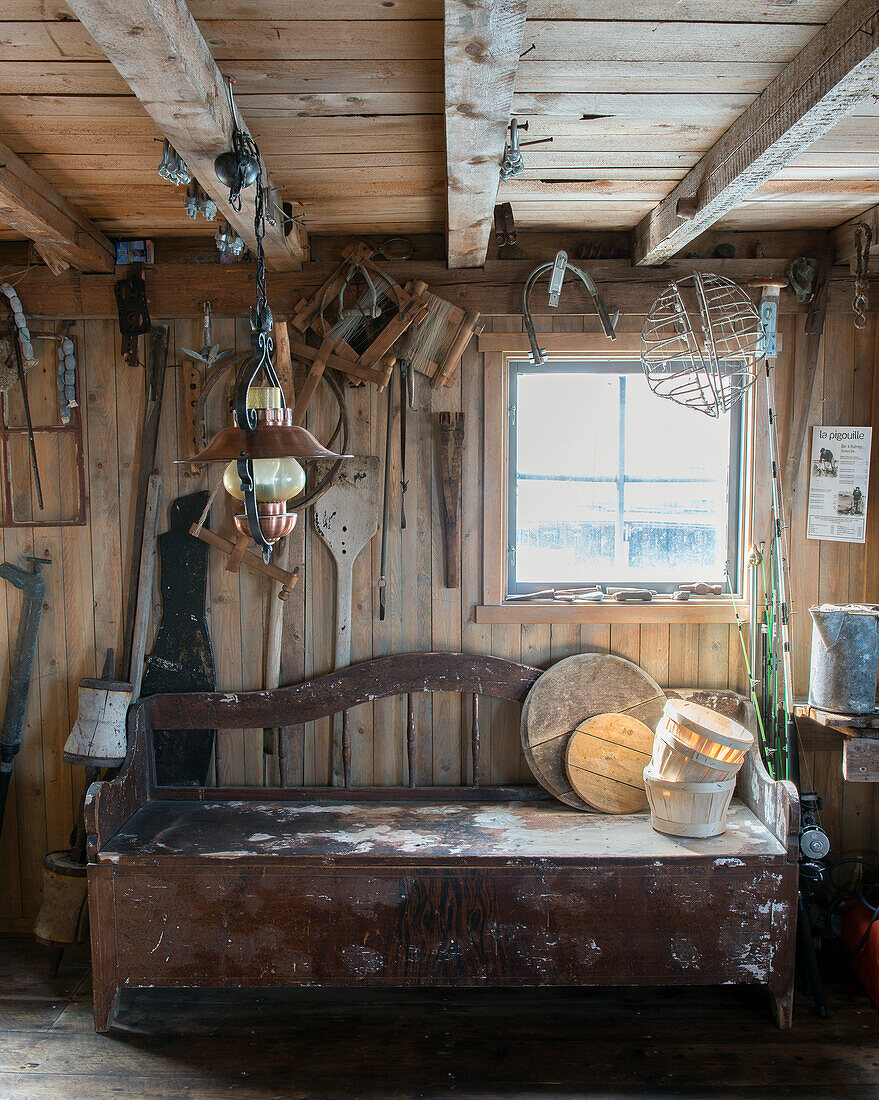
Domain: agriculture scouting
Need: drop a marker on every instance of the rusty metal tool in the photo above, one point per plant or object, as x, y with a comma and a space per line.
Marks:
632, 595
565, 595
505, 233
451, 449
19, 361
33, 588
407, 401
210, 353
15, 339
134, 313
386, 506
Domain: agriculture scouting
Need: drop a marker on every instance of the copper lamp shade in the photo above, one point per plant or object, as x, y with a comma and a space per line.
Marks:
276, 437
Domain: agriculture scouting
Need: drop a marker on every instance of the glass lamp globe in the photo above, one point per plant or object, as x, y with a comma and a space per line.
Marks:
273, 478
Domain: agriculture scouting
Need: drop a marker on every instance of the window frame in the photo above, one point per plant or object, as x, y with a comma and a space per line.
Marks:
496, 350
615, 365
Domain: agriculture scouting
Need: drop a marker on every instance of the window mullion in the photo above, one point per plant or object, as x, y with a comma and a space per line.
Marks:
619, 543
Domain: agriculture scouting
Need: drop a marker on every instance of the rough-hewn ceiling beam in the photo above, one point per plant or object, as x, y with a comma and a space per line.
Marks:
835, 71
842, 238
178, 289
159, 51
483, 40
32, 207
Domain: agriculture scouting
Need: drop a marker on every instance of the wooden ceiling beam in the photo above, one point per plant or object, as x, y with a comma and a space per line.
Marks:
483, 40
158, 50
34, 208
177, 289
834, 72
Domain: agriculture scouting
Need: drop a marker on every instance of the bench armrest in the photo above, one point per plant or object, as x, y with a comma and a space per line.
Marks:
109, 803
774, 801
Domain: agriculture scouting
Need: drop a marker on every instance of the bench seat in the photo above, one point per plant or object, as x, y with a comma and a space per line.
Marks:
457, 833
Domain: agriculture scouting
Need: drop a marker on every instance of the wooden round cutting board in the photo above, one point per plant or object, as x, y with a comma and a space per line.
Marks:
573, 690
605, 759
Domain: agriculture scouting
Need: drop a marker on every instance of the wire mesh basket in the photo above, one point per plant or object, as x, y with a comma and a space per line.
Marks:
702, 343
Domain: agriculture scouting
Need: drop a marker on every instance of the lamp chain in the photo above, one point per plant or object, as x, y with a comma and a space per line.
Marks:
261, 321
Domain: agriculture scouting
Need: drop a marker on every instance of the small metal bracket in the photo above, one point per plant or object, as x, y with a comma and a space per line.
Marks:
769, 318
512, 164
557, 277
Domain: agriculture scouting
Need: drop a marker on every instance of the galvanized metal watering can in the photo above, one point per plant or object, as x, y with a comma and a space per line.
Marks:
845, 658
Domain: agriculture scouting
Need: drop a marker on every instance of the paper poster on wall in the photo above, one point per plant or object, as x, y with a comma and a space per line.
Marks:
838, 477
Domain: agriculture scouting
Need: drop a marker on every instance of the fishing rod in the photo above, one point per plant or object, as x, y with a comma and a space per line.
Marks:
748, 659
790, 768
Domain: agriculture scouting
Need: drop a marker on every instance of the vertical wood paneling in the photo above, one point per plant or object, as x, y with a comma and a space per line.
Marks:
505, 751
475, 637
90, 564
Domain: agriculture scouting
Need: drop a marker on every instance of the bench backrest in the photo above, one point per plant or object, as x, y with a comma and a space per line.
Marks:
402, 675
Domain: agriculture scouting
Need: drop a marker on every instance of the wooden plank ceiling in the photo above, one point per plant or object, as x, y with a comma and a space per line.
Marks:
347, 102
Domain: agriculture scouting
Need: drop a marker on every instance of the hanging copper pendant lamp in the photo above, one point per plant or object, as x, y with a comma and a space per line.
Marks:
263, 449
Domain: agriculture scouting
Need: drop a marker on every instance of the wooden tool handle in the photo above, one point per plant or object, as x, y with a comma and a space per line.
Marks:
452, 357
309, 389
287, 579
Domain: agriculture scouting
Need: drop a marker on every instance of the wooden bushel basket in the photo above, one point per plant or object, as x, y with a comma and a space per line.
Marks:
714, 735
676, 761
688, 809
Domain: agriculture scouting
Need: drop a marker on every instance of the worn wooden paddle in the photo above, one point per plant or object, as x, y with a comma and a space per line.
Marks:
346, 517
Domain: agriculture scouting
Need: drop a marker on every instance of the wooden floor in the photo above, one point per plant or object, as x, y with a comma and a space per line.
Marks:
604, 1044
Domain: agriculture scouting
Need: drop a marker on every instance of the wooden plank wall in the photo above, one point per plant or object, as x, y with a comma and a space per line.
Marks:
86, 594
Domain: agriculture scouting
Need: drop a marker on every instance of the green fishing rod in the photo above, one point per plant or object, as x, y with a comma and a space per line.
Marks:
789, 764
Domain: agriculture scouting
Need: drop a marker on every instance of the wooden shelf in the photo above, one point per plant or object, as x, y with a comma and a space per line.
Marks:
660, 611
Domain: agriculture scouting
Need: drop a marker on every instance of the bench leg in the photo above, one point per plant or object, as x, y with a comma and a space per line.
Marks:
105, 982
106, 1003
781, 999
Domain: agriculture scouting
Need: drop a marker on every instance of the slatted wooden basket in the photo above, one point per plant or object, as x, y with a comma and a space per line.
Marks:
688, 809
717, 738
675, 760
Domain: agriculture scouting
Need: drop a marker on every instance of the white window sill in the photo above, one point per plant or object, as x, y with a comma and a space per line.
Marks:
660, 610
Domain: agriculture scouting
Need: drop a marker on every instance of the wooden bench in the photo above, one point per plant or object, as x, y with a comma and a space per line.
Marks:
439, 886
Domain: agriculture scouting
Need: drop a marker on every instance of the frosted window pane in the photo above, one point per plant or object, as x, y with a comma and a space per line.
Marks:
615, 485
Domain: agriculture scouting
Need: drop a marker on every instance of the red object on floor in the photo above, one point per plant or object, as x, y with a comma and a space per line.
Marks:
866, 963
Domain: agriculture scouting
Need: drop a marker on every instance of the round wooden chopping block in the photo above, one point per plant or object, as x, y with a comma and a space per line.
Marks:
605, 759
575, 689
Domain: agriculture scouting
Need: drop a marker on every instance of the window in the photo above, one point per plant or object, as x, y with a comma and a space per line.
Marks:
610, 484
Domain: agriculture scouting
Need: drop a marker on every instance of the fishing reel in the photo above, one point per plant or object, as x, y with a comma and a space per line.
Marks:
814, 842
814, 845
